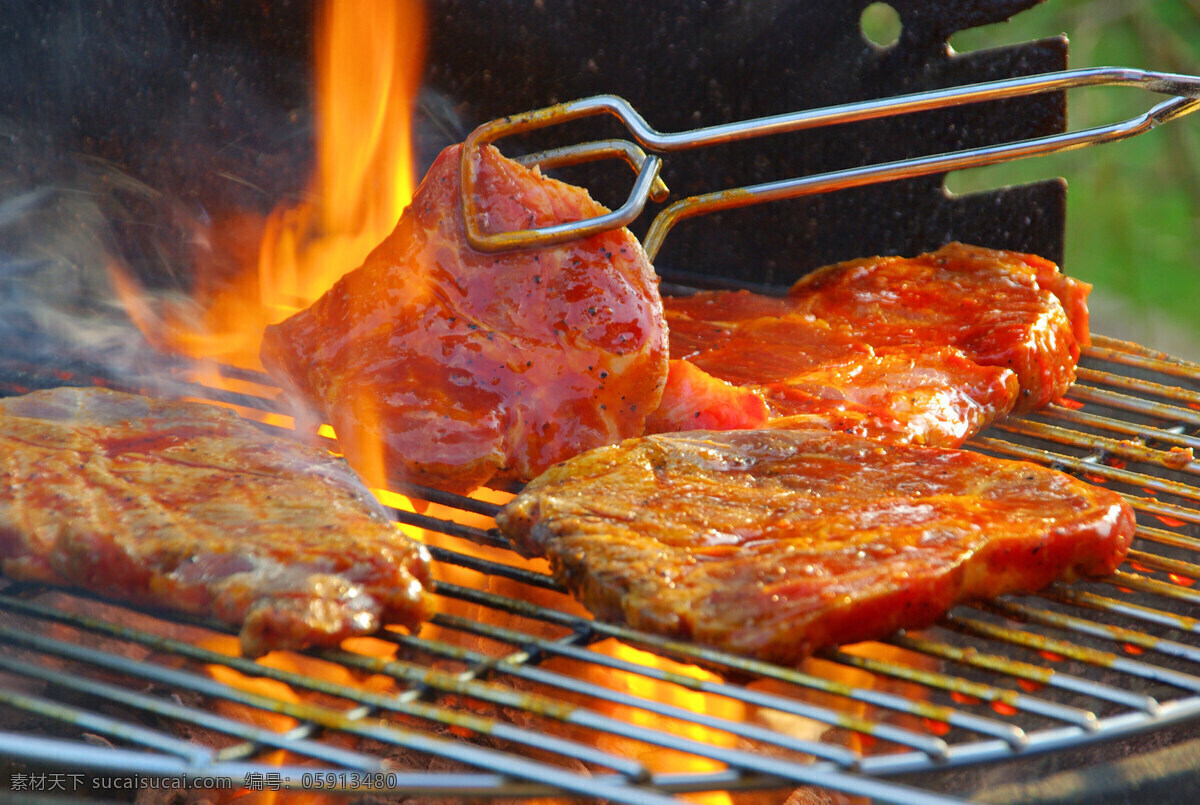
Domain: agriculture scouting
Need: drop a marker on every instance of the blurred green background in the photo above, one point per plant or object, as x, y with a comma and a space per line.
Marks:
1133, 207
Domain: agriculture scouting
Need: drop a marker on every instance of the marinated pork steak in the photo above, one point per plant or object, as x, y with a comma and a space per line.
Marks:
1000, 308
447, 366
774, 543
809, 374
187, 506
927, 350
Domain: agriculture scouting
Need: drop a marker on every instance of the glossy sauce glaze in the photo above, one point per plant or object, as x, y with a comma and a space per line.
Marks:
189, 507
811, 374
927, 350
1000, 308
774, 543
465, 365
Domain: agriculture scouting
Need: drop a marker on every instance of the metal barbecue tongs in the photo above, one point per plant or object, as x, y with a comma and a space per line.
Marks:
1184, 89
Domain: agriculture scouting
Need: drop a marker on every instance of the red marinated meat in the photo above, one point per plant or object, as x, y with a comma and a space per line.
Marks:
186, 506
926, 350
1000, 308
812, 375
726, 406
446, 366
774, 543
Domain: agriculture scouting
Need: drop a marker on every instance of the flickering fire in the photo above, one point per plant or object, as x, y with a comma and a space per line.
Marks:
369, 61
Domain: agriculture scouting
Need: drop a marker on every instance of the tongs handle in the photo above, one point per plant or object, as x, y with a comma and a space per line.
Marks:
1185, 90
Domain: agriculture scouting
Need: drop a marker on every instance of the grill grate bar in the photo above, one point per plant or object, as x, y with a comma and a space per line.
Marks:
783, 769
734, 693
449, 499
803, 774
1091, 656
569, 714
1075, 417
449, 528
95, 722
190, 751
530, 577
976, 690
824, 715
84, 756
1128, 610
1134, 405
586, 718
1172, 512
1034, 673
1164, 564
1127, 353
393, 703
932, 746
1100, 444
926, 710
1168, 538
1088, 468
1116, 634
467, 753
1132, 581
1148, 388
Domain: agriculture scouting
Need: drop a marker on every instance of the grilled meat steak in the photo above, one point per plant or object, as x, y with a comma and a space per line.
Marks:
929, 349
774, 543
1000, 308
810, 374
187, 506
465, 365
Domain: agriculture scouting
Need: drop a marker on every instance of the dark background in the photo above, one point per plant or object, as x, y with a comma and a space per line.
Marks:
126, 127
204, 105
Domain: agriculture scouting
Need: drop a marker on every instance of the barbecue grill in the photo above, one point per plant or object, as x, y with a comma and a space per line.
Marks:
512, 692
518, 692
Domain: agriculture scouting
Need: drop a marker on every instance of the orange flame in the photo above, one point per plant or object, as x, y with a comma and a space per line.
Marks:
369, 63
368, 72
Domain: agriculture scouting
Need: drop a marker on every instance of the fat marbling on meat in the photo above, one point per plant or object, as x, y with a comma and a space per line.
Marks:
927, 350
774, 543
187, 506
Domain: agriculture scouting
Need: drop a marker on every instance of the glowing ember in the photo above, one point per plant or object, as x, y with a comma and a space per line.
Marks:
938, 728
963, 698
1004, 708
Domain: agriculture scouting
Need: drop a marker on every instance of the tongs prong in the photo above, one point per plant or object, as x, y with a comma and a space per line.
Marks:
1184, 89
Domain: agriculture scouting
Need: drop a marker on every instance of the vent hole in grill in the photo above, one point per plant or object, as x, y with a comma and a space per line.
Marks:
880, 25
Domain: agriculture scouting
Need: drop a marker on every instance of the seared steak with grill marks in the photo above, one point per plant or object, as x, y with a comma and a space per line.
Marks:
774, 543
187, 506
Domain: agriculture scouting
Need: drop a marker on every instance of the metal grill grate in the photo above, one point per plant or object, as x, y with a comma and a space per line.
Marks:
512, 691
